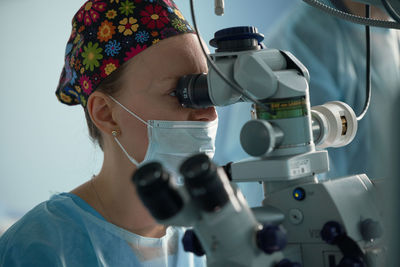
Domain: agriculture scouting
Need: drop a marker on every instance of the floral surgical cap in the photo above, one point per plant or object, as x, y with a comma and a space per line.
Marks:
107, 33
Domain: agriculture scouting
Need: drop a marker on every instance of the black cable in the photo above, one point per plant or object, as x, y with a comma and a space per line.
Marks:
351, 17
391, 10
236, 87
368, 66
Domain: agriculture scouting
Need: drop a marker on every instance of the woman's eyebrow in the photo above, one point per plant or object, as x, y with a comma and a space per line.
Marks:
168, 79
165, 84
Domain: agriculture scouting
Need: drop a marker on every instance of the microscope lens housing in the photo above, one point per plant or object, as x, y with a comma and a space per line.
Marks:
156, 191
193, 90
203, 182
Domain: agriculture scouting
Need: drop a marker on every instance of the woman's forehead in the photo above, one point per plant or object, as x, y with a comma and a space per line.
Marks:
178, 55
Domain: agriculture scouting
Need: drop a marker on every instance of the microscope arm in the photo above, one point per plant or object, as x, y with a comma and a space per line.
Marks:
262, 74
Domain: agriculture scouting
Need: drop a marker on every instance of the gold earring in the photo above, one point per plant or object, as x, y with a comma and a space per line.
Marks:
115, 133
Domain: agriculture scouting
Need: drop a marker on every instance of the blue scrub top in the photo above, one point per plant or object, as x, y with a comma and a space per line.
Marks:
66, 231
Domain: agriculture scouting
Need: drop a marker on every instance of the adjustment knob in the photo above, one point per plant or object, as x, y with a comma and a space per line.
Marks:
191, 243
259, 137
237, 39
337, 124
334, 234
271, 239
370, 229
331, 232
287, 263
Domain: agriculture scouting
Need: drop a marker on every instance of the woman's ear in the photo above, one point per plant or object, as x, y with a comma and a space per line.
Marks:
100, 109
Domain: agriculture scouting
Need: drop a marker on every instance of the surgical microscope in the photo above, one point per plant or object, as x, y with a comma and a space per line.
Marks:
302, 221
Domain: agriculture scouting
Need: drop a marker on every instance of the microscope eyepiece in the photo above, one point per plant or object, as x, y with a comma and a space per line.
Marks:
203, 182
156, 191
192, 91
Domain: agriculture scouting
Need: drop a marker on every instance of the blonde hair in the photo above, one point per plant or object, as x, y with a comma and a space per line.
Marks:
110, 85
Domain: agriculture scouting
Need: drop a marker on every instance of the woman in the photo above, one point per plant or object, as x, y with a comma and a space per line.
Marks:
122, 63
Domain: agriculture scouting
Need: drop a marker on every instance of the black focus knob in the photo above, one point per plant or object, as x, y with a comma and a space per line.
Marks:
191, 243
271, 238
331, 232
370, 229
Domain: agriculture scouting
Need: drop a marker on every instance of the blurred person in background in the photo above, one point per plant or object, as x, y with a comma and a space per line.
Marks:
333, 50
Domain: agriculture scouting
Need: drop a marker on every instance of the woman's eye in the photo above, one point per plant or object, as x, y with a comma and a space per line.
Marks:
173, 93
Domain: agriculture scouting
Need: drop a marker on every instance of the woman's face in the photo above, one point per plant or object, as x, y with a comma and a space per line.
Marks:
149, 80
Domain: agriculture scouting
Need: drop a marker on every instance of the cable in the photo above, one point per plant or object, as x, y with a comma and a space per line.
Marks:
391, 10
236, 87
368, 66
351, 17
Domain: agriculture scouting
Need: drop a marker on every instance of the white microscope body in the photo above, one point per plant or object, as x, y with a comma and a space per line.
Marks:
282, 140
334, 223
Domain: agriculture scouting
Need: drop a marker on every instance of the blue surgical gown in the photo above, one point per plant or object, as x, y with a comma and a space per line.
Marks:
66, 231
333, 50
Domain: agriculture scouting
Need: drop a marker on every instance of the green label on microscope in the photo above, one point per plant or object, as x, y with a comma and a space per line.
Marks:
283, 109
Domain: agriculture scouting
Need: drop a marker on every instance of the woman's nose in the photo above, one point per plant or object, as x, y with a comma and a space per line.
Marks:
203, 114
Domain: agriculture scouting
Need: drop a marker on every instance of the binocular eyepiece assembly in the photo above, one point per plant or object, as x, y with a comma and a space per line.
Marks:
161, 196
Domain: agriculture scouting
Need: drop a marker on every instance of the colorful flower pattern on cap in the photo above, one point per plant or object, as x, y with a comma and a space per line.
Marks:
107, 33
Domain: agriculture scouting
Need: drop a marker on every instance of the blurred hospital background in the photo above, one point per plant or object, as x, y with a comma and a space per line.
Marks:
44, 145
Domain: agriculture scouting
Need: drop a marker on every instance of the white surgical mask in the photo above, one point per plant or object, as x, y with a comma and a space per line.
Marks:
171, 142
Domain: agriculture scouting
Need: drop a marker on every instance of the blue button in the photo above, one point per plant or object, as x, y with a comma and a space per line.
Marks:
299, 194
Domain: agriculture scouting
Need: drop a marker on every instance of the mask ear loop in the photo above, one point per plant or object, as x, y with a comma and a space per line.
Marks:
115, 134
130, 112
